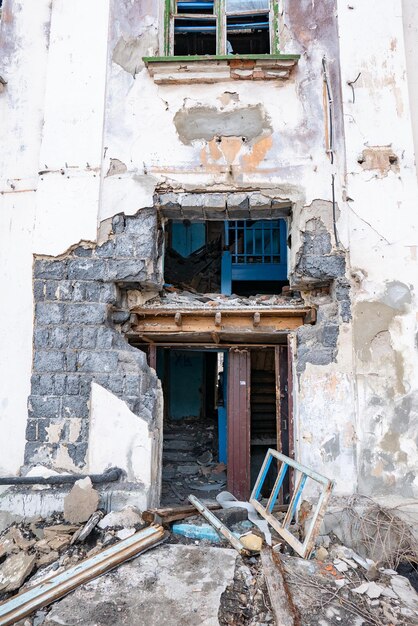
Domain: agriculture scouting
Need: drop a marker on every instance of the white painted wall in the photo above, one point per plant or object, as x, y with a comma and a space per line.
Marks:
383, 231
54, 59
118, 438
410, 28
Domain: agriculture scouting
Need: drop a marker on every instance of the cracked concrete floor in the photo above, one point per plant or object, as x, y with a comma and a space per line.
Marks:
168, 585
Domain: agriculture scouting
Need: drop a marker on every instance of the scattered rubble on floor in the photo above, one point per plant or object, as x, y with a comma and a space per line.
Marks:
172, 297
195, 577
188, 468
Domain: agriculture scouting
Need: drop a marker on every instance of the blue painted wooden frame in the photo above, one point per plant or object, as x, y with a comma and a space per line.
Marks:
303, 548
265, 270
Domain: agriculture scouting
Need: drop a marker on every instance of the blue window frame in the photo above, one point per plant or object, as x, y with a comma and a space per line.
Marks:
255, 251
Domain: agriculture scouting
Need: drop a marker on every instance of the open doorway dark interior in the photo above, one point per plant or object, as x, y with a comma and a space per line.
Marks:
193, 432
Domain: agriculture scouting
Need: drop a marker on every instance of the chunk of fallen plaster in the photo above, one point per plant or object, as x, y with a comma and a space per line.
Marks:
15, 570
81, 502
371, 589
407, 594
128, 516
361, 589
125, 533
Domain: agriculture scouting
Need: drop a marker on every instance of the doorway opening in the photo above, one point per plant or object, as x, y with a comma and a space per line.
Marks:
194, 430
223, 409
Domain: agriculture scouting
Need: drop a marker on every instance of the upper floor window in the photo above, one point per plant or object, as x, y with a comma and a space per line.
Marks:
220, 27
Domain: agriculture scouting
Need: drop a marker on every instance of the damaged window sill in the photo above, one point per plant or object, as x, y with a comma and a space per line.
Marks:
217, 68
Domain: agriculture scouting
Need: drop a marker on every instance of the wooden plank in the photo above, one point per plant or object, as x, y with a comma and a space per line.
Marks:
152, 356
57, 585
281, 601
238, 412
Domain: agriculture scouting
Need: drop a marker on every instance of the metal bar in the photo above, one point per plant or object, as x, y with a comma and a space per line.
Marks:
195, 5
212, 29
56, 586
218, 526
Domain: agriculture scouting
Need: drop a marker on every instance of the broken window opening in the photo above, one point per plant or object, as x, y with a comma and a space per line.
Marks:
221, 27
244, 257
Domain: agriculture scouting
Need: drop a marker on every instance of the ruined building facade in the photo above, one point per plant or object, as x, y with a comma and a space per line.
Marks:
123, 135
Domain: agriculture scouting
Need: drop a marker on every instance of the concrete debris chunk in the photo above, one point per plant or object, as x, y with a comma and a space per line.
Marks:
59, 542
59, 529
374, 591
15, 570
16, 535
84, 531
42, 546
361, 589
127, 517
81, 502
7, 546
407, 594
47, 559
251, 542
321, 554
340, 565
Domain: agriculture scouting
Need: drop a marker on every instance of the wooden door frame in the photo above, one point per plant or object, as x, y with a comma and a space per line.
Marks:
238, 429
239, 422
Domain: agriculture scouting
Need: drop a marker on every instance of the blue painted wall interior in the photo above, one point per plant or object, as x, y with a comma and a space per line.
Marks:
186, 384
187, 237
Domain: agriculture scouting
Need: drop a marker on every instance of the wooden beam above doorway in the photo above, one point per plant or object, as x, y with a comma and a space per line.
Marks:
218, 326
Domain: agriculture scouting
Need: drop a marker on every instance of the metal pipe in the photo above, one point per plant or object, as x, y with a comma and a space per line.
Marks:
109, 476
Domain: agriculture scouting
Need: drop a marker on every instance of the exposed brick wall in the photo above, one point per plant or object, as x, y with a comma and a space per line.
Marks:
75, 342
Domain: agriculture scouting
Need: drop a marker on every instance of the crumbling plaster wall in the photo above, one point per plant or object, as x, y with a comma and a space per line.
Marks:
382, 222
54, 62
216, 136
88, 138
244, 136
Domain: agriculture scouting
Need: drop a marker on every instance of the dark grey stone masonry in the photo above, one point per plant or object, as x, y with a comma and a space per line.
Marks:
321, 270
75, 342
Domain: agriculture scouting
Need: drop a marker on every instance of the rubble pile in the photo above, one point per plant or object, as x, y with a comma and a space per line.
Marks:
261, 581
334, 587
188, 465
172, 298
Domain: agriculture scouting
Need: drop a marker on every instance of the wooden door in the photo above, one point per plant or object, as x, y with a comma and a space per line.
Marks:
238, 419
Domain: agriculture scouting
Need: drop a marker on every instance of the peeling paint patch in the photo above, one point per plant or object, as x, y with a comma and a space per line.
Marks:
116, 167
204, 123
380, 159
330, 449
128, 52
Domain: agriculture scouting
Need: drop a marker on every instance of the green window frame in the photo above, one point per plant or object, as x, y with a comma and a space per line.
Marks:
219, 15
